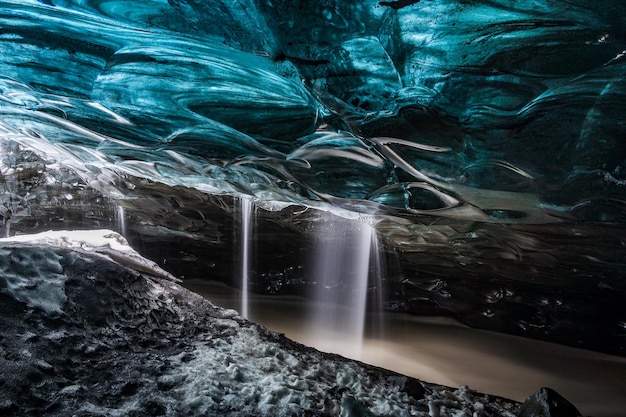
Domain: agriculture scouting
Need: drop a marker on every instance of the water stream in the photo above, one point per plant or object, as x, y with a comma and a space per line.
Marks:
121, 220
378, 270
246, 225
442, 351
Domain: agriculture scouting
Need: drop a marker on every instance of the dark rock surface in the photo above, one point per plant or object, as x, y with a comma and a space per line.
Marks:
114, 341
547, 403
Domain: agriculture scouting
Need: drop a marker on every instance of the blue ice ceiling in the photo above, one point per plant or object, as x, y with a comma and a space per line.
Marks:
485, 140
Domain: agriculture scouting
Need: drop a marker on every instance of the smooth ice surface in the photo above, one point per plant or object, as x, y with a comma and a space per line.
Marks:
412, 108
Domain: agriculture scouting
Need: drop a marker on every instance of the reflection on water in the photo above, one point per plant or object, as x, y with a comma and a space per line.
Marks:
443, 352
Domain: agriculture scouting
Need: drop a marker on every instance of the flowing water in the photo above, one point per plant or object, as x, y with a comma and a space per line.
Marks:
121, 220
378, 270
246, 225
442, 351
341, 272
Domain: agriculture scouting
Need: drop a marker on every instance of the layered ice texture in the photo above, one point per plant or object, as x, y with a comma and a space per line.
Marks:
484, 141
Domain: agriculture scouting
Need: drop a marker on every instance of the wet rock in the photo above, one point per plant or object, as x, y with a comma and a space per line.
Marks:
547, 403
411, 386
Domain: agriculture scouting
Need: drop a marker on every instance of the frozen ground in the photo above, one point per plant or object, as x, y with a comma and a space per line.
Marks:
86, 331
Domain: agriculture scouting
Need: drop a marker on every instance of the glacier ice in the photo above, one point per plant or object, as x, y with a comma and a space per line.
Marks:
483, 140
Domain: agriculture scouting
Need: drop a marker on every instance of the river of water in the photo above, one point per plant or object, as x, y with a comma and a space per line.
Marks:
442, 351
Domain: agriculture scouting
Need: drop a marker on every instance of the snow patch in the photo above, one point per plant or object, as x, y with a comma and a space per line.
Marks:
101, 241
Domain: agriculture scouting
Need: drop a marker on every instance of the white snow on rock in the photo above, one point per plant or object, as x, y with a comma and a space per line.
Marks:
100, 241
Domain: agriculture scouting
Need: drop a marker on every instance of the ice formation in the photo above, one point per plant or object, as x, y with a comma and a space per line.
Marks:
102, 242
484, 141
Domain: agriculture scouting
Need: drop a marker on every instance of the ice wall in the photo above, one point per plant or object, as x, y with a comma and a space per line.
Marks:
485, 141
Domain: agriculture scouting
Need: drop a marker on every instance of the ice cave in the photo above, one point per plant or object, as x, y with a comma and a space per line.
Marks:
351, 208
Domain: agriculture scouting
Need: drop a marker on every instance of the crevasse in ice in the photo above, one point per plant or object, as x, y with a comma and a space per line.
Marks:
485, 141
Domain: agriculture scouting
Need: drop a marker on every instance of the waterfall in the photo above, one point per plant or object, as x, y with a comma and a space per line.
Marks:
379, 269
121, 220
246, 225
341, 271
